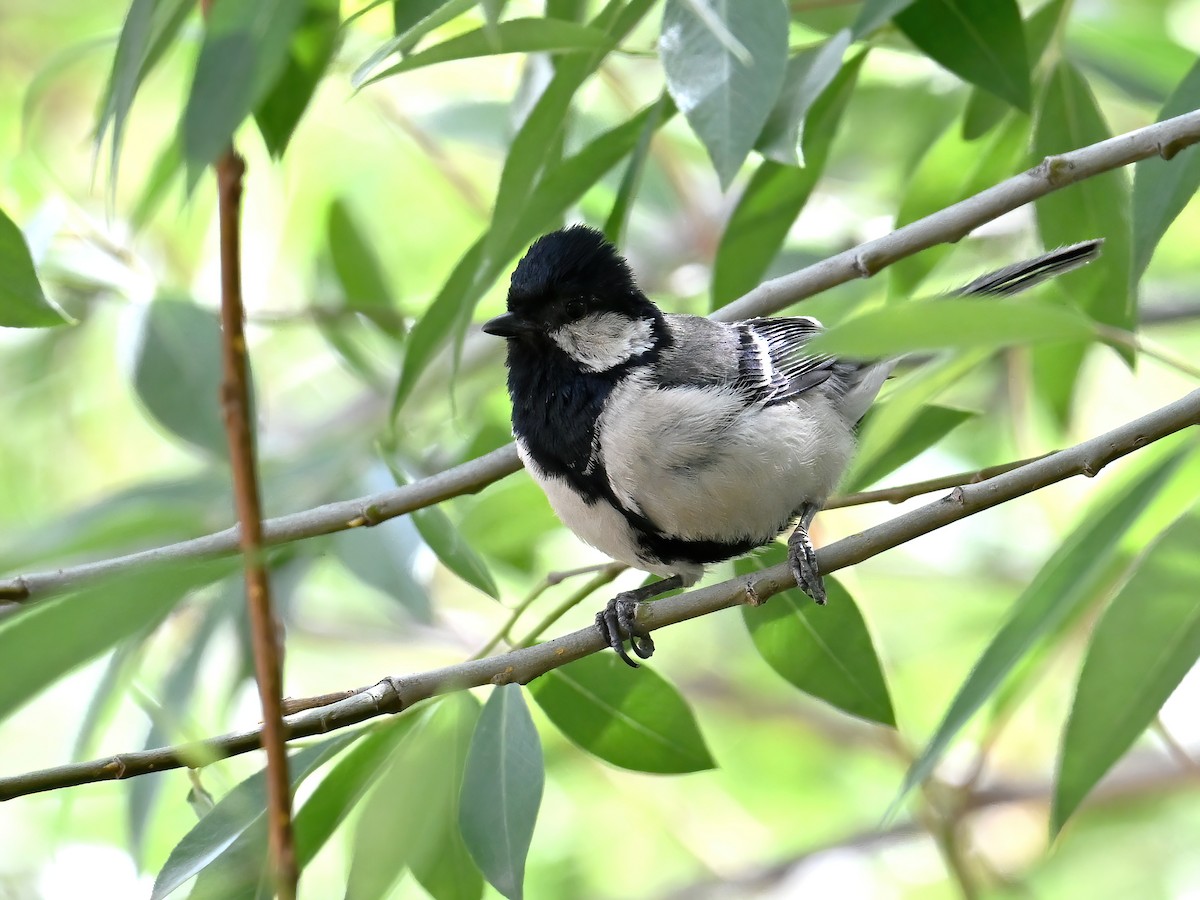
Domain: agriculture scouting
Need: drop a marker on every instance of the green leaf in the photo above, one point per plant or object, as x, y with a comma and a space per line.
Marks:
308, 56
502, 790
158, 182
241, 809
875, 13
775, 195
22, 303
245, 49
56, 636
808, 74
383, 556
359, 270
149, 29
826, 651
1078, 572
1162, 188
631, 718
1145, 643
411, 21
424, 773
177, 371
930, 425
981, 41
513, 36
725, 64
951, 323
631, 179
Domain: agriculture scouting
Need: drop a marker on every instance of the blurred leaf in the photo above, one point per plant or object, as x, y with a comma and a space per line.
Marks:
241, 809
502, 790
412, 21
775, 195
45, 642
951, 323
150, 27
166, 166
309, 53
359, 270
177, 371
117, 672
808, 74
984, 111
928, 427
1078, 572
508, 520
425, 773
631, 179
726, 95
1145, 643
383, 556
245, 50
826, 651
22, 303
952, 170
981, 41
513, 36
408, 13
633, 718
875, 13
1162, 188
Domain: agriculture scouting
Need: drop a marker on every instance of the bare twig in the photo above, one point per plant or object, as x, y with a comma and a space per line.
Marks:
902, 492
394, 694
951, 224
235, 404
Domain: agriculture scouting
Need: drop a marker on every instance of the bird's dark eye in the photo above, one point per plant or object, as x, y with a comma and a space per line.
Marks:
576, 308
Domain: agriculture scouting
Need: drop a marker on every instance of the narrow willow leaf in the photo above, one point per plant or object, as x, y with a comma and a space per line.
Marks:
424, 773
953, 323
312, 47
383, 556
631, 179
513, 36
930, 425
22, 303
241, 809
56, 636
875, 13
775, 195
1145, 643
1162, 188
808, 74
1075, 575
826, 651
726, 96
412, 21
981, 41
502, 790
177, 371
161, 177
631, 718
359, 270
245, 49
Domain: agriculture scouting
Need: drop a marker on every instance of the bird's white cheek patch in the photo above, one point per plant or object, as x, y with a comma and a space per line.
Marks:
603, 341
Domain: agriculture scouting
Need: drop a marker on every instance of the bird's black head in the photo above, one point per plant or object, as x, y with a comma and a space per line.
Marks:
573, 293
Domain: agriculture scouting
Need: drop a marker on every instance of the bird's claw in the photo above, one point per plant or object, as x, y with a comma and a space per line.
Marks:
802, 559
617, 621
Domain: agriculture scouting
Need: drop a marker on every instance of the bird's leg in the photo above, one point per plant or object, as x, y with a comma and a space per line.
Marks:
619, 619
802, 558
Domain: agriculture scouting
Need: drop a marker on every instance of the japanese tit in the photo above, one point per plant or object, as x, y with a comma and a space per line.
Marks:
672, 441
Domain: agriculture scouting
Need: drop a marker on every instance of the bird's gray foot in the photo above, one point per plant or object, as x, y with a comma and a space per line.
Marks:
618, 620
802, 559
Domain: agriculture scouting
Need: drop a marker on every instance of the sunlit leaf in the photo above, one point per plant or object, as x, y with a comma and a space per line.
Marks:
981, 41
1145, 643
245, 50
953, 323
633, 718
775, 195
726, 95
1162, 188
312, 47
826, 651
177, 371
411, 21
513, 36
930, 425
808, 74
22, 303
502, 790
1076, 574
359, 270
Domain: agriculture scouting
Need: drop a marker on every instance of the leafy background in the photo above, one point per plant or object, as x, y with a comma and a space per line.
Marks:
1020, 654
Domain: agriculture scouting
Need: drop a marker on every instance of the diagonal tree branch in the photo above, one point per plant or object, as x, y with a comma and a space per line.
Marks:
951, 224
394, 694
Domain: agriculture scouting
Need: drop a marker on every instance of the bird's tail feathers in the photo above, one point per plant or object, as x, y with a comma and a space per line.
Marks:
1024, 275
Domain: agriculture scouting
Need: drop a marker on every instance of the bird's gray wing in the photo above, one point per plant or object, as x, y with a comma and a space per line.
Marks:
774, 364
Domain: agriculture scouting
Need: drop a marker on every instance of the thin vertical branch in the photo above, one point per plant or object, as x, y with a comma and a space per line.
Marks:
235, 404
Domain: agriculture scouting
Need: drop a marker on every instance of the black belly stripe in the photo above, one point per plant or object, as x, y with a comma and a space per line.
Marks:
669, 550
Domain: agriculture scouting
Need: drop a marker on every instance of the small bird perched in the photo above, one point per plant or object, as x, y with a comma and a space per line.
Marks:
671, 441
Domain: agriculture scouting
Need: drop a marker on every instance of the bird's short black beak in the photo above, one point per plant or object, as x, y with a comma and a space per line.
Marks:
509, 325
